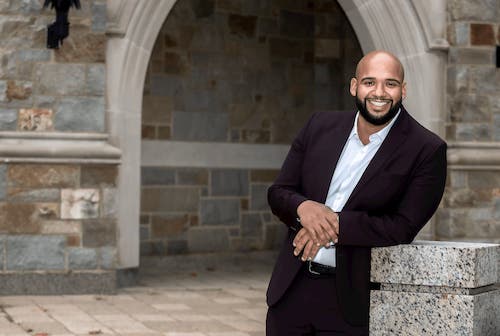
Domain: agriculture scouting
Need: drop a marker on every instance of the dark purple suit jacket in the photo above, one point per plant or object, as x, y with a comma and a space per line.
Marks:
397, 194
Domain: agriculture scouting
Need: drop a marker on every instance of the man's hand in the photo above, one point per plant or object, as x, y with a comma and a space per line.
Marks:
320, 221
304, 243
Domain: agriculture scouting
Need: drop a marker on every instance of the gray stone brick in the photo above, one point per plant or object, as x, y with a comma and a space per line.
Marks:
203, 8
177, 247
33, 55
471, 55
144, 232
96, 79
8, 119
166, 85
170, 199
458, 179
108, 258
199, 126
98, 233
496, 127
484, 10
61, 79
267, 26
208, 240
3, 181
484, 79
157, 176
189, 176
109, 203
251, 225
295, 24
200, 100
229, 182
496, 209
153, 248
32, 195
457, 79
484, 179
462, 33
35, 252
80, 114
219, 211
274, 235
99, 18
470, 108
44, 101
2, 244
207, 38
26, 6
258, 199
474, 132
82, 258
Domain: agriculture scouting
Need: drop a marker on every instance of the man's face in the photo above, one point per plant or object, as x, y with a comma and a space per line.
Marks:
379, 89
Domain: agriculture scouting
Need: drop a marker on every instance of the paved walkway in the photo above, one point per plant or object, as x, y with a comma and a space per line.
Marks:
195, 296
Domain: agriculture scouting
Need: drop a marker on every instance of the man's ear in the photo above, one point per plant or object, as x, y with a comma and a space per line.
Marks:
403, 91
353, 87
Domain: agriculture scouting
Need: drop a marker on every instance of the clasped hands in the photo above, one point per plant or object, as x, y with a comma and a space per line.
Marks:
320, 226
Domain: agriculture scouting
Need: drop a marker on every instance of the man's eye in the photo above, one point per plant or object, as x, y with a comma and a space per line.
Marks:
369, 83
391, 84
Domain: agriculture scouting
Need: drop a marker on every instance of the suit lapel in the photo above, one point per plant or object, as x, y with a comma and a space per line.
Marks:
392, 142
335, 141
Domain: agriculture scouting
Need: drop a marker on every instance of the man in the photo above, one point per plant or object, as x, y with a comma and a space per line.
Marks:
351, 181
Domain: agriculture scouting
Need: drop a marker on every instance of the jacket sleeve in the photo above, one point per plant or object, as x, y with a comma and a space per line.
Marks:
417, 205
284, 196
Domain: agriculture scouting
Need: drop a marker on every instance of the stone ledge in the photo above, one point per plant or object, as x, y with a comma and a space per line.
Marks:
474, 155
57, 147
428, 263
44, 283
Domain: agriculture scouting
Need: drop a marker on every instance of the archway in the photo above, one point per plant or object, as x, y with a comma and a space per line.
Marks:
405, 28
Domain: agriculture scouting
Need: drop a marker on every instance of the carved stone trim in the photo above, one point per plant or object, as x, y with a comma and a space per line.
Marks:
57, 148
474, 156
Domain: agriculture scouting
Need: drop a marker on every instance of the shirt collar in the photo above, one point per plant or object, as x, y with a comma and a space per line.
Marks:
382, 134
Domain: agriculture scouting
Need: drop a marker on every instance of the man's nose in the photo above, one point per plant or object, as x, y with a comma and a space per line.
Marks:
379, 90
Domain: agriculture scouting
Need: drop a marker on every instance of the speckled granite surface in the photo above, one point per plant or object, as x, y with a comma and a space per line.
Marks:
429, 263
420, 314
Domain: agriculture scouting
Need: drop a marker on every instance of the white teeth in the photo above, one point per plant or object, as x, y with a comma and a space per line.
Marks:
378, 103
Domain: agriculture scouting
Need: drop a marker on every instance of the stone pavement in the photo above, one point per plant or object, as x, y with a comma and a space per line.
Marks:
204, 295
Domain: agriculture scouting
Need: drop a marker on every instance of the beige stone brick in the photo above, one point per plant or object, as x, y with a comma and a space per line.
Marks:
98, 175
61, 227
169, 225
35, 120
263, 175
169, 199
34, 175
80, 203
25, 217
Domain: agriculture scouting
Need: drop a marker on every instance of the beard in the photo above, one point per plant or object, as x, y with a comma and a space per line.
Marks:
378, 120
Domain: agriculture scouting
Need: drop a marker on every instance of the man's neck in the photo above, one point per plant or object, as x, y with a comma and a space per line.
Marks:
365, 129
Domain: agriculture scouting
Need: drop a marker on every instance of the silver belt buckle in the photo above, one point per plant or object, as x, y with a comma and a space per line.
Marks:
310, 270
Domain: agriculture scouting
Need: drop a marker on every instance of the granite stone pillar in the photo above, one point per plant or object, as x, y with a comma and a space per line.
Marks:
435, 288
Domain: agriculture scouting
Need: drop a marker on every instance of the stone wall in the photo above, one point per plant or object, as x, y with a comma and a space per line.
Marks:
243, 72
472, 200
206, 210
57, 173
247, 71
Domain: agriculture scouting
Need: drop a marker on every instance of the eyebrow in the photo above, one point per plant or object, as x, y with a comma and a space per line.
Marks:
387, 80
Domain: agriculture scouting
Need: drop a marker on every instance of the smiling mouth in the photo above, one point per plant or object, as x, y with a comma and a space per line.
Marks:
379, 102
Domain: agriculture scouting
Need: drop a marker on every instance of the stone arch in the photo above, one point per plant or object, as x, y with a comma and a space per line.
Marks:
403, 27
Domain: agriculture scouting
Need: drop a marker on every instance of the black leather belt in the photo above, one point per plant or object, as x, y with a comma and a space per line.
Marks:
319, 269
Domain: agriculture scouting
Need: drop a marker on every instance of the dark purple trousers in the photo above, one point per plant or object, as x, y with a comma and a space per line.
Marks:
309, 307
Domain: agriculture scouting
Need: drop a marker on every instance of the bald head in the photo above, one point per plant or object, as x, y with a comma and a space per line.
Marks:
377, 58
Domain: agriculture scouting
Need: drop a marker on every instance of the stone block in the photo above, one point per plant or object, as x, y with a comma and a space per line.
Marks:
35, 252
157, 109
458, 79
164, 226
82, 258
296, 25
229, 182
19, 91
98, 232
190, 176
157, 176
486, 10
3, 181
45, 102
35, 120
25, 217
274, 235
58, 283
483, 179
144, 233
170, 199
473, 132
175, 64
109, 203
200, 100
33, 55
203, 8
451, 264
61, 79
263, 175
482, 34
395, 313
82, 46
199, 126
8, 119
207, 38
80, 203
202, 240
485, 80
108, 258
283, 48
256, 136
258, 198
80, 114
251, 225
177, 247
96, 79
220, 212
166, 85
243, 26
153, 248
60, 227
327, 48
98, 176
470, 108
233, 6
99, 18
471, 55
267, 26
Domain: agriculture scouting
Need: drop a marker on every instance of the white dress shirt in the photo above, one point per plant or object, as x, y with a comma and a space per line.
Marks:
352, 163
